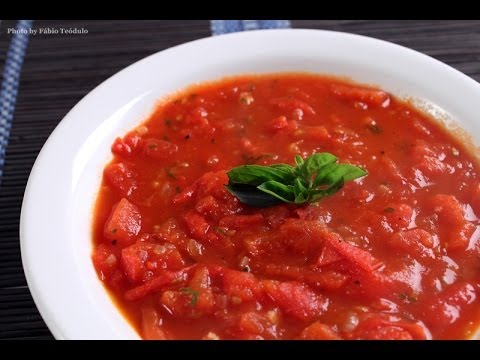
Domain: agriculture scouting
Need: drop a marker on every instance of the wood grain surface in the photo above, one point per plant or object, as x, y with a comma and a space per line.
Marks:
60, 69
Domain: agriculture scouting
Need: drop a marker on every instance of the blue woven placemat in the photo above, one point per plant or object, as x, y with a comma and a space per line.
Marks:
10, 83
219, 27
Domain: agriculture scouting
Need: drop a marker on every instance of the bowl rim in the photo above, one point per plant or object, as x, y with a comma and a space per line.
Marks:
32, 206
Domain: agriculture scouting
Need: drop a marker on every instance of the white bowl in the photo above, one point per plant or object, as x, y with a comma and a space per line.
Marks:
56, 220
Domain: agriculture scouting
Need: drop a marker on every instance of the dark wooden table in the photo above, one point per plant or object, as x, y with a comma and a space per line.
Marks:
59, 70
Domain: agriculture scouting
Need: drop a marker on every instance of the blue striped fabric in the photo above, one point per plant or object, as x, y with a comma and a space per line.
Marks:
219, 27
10, 82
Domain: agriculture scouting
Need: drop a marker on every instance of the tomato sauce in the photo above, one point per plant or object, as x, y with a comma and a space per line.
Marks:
393, 255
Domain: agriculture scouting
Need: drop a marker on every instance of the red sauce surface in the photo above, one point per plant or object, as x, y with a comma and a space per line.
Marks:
394, 255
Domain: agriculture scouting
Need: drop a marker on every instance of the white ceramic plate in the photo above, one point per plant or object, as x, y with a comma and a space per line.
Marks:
56, 218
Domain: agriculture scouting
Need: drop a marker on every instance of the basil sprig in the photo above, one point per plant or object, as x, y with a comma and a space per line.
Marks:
309, 181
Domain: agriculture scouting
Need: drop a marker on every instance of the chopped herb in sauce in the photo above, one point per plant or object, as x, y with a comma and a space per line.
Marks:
192, 293
224, 231
374, 128
170, 173
255, 159
405, 297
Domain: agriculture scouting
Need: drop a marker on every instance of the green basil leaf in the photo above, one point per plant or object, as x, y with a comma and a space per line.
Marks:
331, 173
351, 172
298, 160
301, 199
310, 180
321, 176
252, 196
301, 191
286, 171
345, 171
258, 174
316, 195
316, 162
283, 192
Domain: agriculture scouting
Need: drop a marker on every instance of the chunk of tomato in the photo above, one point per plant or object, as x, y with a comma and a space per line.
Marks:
359, 257
296, 299
124, 223
143, 260
318, 331
384, 327
415, 242
121, 178
241, 284
151, 321
366, 95
242, 221
455, 230
446, 307
127, 146
196, 224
